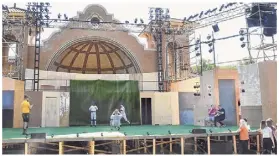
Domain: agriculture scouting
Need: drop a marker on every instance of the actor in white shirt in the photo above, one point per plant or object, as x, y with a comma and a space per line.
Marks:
115, 118
122, 111
93, 108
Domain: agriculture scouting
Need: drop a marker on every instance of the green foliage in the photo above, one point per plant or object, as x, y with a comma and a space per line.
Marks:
107, 95
206, 65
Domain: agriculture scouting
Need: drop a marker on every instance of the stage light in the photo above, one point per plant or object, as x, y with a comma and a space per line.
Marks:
221, 8
243, 90
215, 28
243, 45
210, 44
136, 21
201, 14
196, 48
241, 32
59, 16
141, 21
209, 94
210, 50
30, 31
47, 3
198, 54
208, 37
185, 19
241, 38
66, 17
46, 10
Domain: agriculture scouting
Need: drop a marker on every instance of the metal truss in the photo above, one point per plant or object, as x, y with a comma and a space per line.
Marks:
13, 35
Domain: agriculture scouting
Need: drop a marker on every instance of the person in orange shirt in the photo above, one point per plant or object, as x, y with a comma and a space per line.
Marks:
25, 110
243, 136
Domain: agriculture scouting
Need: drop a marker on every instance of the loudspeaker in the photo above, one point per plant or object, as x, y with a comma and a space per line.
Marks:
38, 135
198, 131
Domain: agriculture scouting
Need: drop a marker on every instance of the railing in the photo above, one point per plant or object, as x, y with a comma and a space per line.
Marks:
64, 84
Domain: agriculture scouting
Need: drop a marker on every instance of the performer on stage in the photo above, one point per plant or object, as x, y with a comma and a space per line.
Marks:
122, 111
93, 108
115, 119
25, 109
220, 116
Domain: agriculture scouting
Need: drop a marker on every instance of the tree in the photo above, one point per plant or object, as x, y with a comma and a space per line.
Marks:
206, 65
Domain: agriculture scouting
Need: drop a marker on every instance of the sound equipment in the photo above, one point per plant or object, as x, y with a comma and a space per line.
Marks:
38, 135
222, 147
198, 131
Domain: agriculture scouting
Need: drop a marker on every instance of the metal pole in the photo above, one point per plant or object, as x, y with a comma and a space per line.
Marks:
213, 48
201, 54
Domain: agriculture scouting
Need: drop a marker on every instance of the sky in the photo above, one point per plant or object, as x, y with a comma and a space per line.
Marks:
226, 50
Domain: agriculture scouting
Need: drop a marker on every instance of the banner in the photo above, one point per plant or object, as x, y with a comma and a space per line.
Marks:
108, 96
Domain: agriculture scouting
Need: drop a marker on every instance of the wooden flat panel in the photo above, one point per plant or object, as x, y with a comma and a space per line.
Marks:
50, 112
36, 112
18, 98
268, 86
8, 83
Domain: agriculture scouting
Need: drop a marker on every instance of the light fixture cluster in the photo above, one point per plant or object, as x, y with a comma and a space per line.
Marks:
242, 33
197, 87
204, 14
210, 43
38, 13
159, 14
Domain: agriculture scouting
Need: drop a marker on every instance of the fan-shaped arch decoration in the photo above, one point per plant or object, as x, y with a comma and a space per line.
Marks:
94, 56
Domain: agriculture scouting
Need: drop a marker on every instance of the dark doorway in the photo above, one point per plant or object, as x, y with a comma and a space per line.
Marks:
146, 117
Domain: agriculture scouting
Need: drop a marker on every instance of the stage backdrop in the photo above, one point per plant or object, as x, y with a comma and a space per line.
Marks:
108, 95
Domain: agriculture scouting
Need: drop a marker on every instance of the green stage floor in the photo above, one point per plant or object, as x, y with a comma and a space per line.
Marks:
9, 133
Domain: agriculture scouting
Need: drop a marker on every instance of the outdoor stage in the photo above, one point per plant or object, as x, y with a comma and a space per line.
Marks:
129, 139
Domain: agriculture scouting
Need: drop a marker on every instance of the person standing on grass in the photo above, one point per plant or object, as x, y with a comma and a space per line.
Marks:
25, 110
243, 136
93, 108
267, 138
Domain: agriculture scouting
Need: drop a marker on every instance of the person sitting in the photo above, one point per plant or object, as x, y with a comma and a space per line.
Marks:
220, 116
211, 113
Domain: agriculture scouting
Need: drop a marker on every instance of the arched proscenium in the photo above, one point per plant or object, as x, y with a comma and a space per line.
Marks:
93, 43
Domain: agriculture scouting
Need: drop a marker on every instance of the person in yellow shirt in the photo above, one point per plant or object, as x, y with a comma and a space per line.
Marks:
25, 110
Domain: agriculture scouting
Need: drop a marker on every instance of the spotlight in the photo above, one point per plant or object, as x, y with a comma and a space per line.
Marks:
241, 38
210, 50
30, 31
59, 16
47, 4
198, 54
208, 37
243, 90
209, 94
136, 21
66, 17
141, 21
241, 32
242, 45
196, 48
210, 44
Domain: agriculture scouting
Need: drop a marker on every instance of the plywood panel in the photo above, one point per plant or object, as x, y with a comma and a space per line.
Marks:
185, 85
8, 83
8, 99
36, 112
268, 85
18, 98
